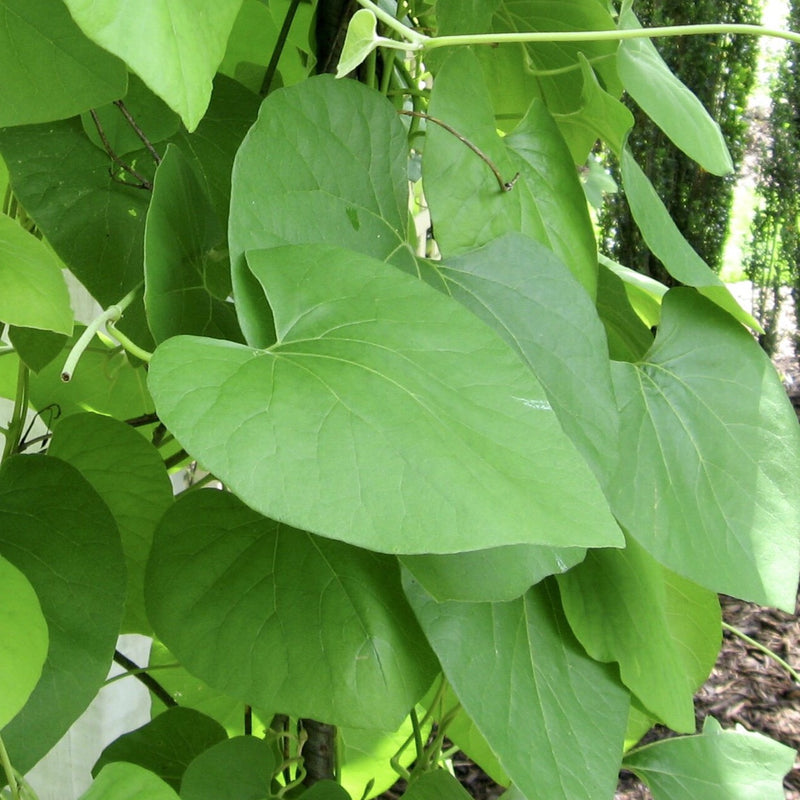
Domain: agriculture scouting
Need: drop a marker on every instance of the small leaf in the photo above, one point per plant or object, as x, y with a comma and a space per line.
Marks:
245, 602
361, 40
122, 781
185, 44
240, 768
669, 245
55, 529
734, 764
673, 107
166, 745
665, 647
344, 405
34, 290
644, 293
710, 484
629, 338
23, 631
507, 662
50, 69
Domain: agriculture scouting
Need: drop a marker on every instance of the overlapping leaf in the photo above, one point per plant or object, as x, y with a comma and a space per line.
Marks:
55, 529
394, 418
50, 69
185, 44
665, 647
709, 485
325, 162
436, 785
522, 677
123, 781
129, 474
469, 209
282, 619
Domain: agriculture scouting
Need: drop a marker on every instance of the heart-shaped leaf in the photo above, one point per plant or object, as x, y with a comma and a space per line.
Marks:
710, 485
370, 447
245, 602
360, 41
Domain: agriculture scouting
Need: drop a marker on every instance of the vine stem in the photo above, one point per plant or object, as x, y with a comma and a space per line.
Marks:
764, 649
13, 432
419, 41
110, 315
132, 668
11, 776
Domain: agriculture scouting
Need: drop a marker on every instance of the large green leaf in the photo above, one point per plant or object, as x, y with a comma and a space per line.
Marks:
129, 474
531, 299
282, 619
23, 631
437, 785
669, 245
396, 420
166, 745
468, 208
185, 43
734, 764
50, 69
709, 485
325, 162
59, 533
665, 647
185, 260
508, 663
239, 768
670, 104
34, 291
123, 781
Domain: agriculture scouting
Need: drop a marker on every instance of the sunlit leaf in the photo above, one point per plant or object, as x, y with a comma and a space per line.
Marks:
122, 781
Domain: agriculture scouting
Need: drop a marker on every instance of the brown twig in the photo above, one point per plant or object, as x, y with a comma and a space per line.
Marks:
144, 183
138, 131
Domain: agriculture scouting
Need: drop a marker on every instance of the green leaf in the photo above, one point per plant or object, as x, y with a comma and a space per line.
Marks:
325, 790
489, 576
240, 768
734, 764
668, 244
185, 258
129, 474
123, 781
644, 293
185, 42
468, 208
325, 162
665, 647
670, 104
530, 298
628, 337
344, 404
436, 785
360, 41
34, 290
50, 69
245, 602
59, 533
507, 663
166, 745
23, 632
710, 484
37, 348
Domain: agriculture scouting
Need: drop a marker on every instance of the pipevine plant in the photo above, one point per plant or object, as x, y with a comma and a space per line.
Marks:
480, 487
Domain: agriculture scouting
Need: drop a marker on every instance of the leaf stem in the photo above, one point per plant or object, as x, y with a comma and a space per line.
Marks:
134, 673
14, 431
137, 130
416, 39
127, 344
280, 43
764, 649
111, 314
144, 183
11, 776
148, 680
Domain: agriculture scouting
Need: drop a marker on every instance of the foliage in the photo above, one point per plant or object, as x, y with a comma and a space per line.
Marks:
774, 255
478, 483
698, 200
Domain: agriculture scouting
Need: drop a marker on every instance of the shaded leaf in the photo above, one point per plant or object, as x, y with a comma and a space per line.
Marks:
185, 44
627, 335
59, 533
325, 162
436, 785
37, 348
50, 69
122, 781
34, 290
185, 258
734, 764
507, 663
166, 745
246, 604
129, 474
710, 486
358, 342
644, 293
665, 647
23, 631
326, 790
